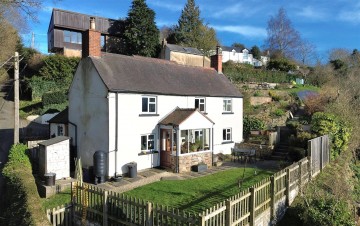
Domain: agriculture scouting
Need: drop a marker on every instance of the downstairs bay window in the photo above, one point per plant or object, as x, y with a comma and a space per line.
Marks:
194, 140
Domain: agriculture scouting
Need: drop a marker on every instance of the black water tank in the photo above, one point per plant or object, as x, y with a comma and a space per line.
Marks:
100, 162
50, 179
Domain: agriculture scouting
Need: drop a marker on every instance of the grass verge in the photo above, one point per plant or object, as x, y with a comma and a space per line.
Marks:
59, 199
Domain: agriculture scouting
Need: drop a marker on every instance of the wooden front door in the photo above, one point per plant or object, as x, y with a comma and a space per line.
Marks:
165, 152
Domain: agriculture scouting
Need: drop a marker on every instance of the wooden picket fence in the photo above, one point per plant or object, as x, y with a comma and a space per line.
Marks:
262, 204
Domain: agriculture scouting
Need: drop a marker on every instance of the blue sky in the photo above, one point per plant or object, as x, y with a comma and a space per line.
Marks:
326, 24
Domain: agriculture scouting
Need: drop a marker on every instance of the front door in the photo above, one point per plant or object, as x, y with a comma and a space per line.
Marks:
165, 152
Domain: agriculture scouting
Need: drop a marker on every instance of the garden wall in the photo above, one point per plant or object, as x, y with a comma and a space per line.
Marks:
186, 161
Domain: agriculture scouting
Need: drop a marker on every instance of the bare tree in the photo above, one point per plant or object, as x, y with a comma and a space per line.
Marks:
305, 52
281, 36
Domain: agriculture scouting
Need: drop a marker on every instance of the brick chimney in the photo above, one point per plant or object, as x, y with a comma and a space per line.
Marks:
216, 60
91, 41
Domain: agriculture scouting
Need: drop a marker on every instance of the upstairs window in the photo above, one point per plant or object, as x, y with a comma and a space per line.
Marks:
72, 37
148, 104
200, 104
227, 105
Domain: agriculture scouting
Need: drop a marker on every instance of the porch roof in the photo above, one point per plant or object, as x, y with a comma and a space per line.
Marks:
180, 115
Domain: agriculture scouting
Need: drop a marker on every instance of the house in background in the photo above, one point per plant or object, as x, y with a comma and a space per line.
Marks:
58, 125
239, 55
151, 111
183, 55
66, 27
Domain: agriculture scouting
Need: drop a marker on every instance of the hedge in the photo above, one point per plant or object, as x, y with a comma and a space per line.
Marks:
21, 196
57, 97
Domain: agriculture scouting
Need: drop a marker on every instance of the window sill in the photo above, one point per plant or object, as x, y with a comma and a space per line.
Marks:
228, 113
148, 115
227, 142
148, 153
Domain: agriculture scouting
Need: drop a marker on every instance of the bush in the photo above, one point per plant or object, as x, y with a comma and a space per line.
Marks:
251, 123
274, 96
21, 195
326, 211
296, 154
281, 64
278, 113
338, 130
240, 73
57, 97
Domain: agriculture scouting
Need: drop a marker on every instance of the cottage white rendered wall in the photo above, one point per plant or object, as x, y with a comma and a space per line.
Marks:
54, 129
88, 110
132, 124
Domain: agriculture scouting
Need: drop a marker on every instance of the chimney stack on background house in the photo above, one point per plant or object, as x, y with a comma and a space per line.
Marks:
91, 41
216, 60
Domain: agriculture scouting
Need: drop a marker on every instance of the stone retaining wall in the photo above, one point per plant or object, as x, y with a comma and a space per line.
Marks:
188, 160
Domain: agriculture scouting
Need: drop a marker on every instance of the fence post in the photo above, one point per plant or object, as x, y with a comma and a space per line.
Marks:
321, 153
252, 206
228, 213
201, 220
272, 196
288, 187
309, 168
105, 208
149, 214
300, 177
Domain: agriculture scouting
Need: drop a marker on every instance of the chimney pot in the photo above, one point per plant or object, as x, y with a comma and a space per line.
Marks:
92, 23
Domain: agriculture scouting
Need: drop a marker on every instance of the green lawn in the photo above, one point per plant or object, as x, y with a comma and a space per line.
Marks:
199, 193
59, 199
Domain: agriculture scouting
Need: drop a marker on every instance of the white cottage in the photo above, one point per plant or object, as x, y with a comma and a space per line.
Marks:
150, 111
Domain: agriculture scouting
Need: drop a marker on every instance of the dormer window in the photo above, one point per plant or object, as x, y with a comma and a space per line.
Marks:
200, 104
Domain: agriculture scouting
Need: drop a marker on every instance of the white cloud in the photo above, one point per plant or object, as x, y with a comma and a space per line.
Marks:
352, 16
247, 31
311, 13
238, 9
169, 6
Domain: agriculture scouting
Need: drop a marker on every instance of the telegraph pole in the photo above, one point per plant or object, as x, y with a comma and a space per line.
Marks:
16, 98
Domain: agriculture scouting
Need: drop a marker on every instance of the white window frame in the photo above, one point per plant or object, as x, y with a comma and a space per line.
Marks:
226, 103
149, 104
228, 131
148, 139
204, 103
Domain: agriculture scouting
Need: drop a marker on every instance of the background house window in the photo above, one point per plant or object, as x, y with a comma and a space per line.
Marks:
200, 104
147, 142
72, 37
60, 131
227, 105
227, 134
148, 104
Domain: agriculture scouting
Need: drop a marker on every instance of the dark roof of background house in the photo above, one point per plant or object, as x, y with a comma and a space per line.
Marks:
229, 49
62, 117
179, 115
187, 50
54, 140
137, 74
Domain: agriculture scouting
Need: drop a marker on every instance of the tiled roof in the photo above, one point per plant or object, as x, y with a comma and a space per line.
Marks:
137, 74
181, 49
62, 117
54, 140
179, 115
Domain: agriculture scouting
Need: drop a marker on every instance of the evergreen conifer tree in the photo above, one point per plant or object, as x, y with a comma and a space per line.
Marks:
141, 35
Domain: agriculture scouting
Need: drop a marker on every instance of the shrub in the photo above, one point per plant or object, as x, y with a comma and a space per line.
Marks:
57, 97
257, 94
21, 195
281, 64
251, 123
274, 96
338, 130
296, 153
278, 113
326, 211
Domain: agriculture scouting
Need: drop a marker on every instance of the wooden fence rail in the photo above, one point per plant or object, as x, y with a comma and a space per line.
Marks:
262, 204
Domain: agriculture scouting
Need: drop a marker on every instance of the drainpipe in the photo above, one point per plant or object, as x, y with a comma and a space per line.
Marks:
116, 132
75, 133
212, 144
